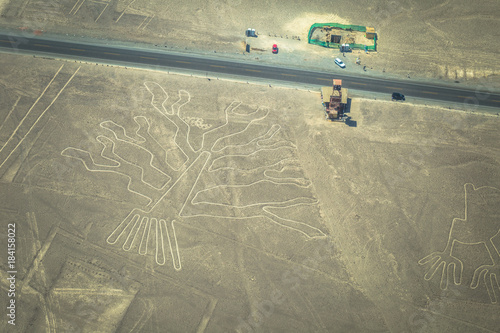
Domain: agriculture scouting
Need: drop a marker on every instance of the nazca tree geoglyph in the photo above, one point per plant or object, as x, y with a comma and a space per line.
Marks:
181, 181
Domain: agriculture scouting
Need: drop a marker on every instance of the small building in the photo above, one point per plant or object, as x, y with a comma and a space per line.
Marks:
370, 33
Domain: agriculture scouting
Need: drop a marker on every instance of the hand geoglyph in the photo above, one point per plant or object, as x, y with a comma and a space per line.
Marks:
481, 225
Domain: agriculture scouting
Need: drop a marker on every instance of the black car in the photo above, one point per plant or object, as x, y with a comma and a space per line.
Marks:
398, 97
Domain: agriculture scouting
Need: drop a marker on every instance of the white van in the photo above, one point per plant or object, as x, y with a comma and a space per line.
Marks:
339, 62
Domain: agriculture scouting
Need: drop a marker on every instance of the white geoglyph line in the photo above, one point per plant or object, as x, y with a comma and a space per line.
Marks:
298, 180
440, 263
46, 300
10, 112
274, 205
263, 204
181, 176
74, 6
272, 135
178, 114
132, 142
152, 99
257, 168
127, 220
130, 220
130, 223
64, 153
90, 291
278, 179
147, 312
159, 232
166, 114
266, 209
495, 259
41, 115
133, 223
151, 19
246, 185
233, 106
118, 19
139, 147
103, 3
233, 134
105, 123
134, 232
264, 137
257, 139
143, 249
274, 129
246, 155
138, 228
159, 145
174, 236
194, 184
81, 4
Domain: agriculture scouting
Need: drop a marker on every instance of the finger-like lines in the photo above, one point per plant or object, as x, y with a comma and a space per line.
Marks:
142, 230
471, 230
139, 231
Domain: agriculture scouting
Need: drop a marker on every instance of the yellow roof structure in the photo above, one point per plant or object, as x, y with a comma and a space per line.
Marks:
345, 92
370, 32
326, 92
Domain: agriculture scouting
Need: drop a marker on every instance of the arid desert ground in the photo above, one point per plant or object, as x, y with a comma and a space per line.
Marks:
148, 202
450, 40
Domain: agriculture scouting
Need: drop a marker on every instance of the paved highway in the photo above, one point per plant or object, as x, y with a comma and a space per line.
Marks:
168, 60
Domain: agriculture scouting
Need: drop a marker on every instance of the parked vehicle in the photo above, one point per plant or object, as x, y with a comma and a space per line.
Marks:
275, 48
339, 62
250, 33
398, 96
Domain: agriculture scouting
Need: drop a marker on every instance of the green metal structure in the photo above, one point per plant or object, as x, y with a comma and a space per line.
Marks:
337, 45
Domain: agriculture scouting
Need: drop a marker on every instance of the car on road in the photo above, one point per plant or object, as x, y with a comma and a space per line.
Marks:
398, 96
339, 62
275, 48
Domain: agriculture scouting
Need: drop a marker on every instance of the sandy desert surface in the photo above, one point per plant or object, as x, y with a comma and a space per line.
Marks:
147, 202
151, 202
446, 40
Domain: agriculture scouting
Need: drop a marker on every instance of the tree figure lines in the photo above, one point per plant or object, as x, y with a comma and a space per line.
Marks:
481, 225
243, 169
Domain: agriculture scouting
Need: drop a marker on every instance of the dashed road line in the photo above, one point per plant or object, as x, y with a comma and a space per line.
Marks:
111, 53
359, 83
184, 62
430, 92
77, 50
217, 66
148, 58
252, 70
288, 74
42, 45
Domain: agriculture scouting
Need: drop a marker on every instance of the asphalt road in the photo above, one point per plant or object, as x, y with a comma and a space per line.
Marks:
168, 60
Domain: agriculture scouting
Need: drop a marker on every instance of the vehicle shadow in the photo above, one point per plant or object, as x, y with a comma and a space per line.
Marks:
348, 119
351, 123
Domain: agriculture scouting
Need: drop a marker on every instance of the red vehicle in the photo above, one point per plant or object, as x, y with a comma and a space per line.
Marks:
275, 48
